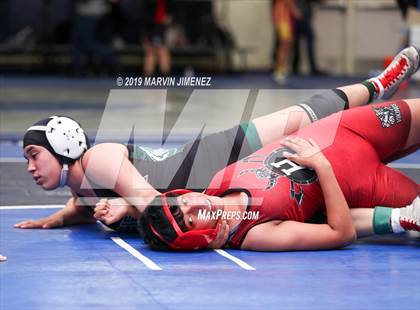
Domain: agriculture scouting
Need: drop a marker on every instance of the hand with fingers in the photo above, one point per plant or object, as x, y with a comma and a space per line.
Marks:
222, 236
307, 152
44, 223
110, 211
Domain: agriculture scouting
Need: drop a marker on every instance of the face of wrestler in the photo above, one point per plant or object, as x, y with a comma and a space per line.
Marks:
198, 208
43, 166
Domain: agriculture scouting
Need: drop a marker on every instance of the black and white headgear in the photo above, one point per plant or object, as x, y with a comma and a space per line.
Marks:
60, 135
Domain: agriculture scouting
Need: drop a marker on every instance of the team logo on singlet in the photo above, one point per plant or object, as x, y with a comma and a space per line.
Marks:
388, 115
275, 166
147, 153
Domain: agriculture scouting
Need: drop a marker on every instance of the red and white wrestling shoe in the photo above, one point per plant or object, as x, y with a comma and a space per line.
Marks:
407, 218
404, 65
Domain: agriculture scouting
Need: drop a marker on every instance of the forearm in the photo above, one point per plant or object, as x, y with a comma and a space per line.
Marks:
133, 212
133, 187
338, 213
121, 175
72, 214
141, 199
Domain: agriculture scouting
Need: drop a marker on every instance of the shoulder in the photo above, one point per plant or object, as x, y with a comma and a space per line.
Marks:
108, 147
105, 150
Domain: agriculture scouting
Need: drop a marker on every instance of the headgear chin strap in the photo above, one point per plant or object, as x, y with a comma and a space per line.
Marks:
185, 241
64, 175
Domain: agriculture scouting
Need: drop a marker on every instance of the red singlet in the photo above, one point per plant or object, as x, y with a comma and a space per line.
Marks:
357, 142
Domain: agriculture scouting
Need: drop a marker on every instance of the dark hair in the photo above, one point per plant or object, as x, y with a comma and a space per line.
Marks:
155, 215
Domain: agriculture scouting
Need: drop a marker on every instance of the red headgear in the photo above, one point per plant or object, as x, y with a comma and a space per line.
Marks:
185, 241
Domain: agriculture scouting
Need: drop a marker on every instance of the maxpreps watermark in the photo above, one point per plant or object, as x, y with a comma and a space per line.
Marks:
227, 215
189, 81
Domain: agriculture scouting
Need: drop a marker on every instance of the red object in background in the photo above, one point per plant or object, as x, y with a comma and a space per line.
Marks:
387, 62
160, 14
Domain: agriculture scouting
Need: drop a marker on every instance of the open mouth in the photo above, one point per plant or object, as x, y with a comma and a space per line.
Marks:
37, 180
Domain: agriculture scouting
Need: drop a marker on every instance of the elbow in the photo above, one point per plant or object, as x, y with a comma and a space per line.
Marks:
345, 238
349, 237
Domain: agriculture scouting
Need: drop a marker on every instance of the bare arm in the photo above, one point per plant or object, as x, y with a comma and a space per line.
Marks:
71, 214
290, 235
338, 212
112, 210
107, 165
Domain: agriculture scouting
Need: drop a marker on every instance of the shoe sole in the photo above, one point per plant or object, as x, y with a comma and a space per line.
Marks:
418, 54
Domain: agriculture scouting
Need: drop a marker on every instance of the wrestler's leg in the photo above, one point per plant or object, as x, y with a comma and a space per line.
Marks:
385, 220
403, 66
275, 126
363, 221
357, 94
390, 127
393, 188
413, 138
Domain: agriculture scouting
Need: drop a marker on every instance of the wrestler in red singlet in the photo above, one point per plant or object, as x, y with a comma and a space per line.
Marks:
365, 139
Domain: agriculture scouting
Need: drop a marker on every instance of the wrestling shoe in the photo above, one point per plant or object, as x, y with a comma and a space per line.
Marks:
408, 218
404, 65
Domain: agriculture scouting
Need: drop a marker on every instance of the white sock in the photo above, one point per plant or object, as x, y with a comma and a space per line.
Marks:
395, 221
379, 85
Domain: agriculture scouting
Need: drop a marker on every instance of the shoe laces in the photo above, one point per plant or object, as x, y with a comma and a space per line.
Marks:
409, 224
393, 74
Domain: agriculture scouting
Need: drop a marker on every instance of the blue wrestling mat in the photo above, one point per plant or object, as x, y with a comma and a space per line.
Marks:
83, 267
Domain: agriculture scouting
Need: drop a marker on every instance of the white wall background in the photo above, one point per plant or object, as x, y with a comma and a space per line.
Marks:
376, 32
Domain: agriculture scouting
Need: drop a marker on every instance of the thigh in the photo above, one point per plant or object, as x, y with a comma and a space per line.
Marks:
393, 188
385, 126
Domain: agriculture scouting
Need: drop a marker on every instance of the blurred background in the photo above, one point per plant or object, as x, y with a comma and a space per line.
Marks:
47, 36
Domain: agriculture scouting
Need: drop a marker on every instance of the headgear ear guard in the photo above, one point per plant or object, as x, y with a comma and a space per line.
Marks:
65, 139
185, 241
